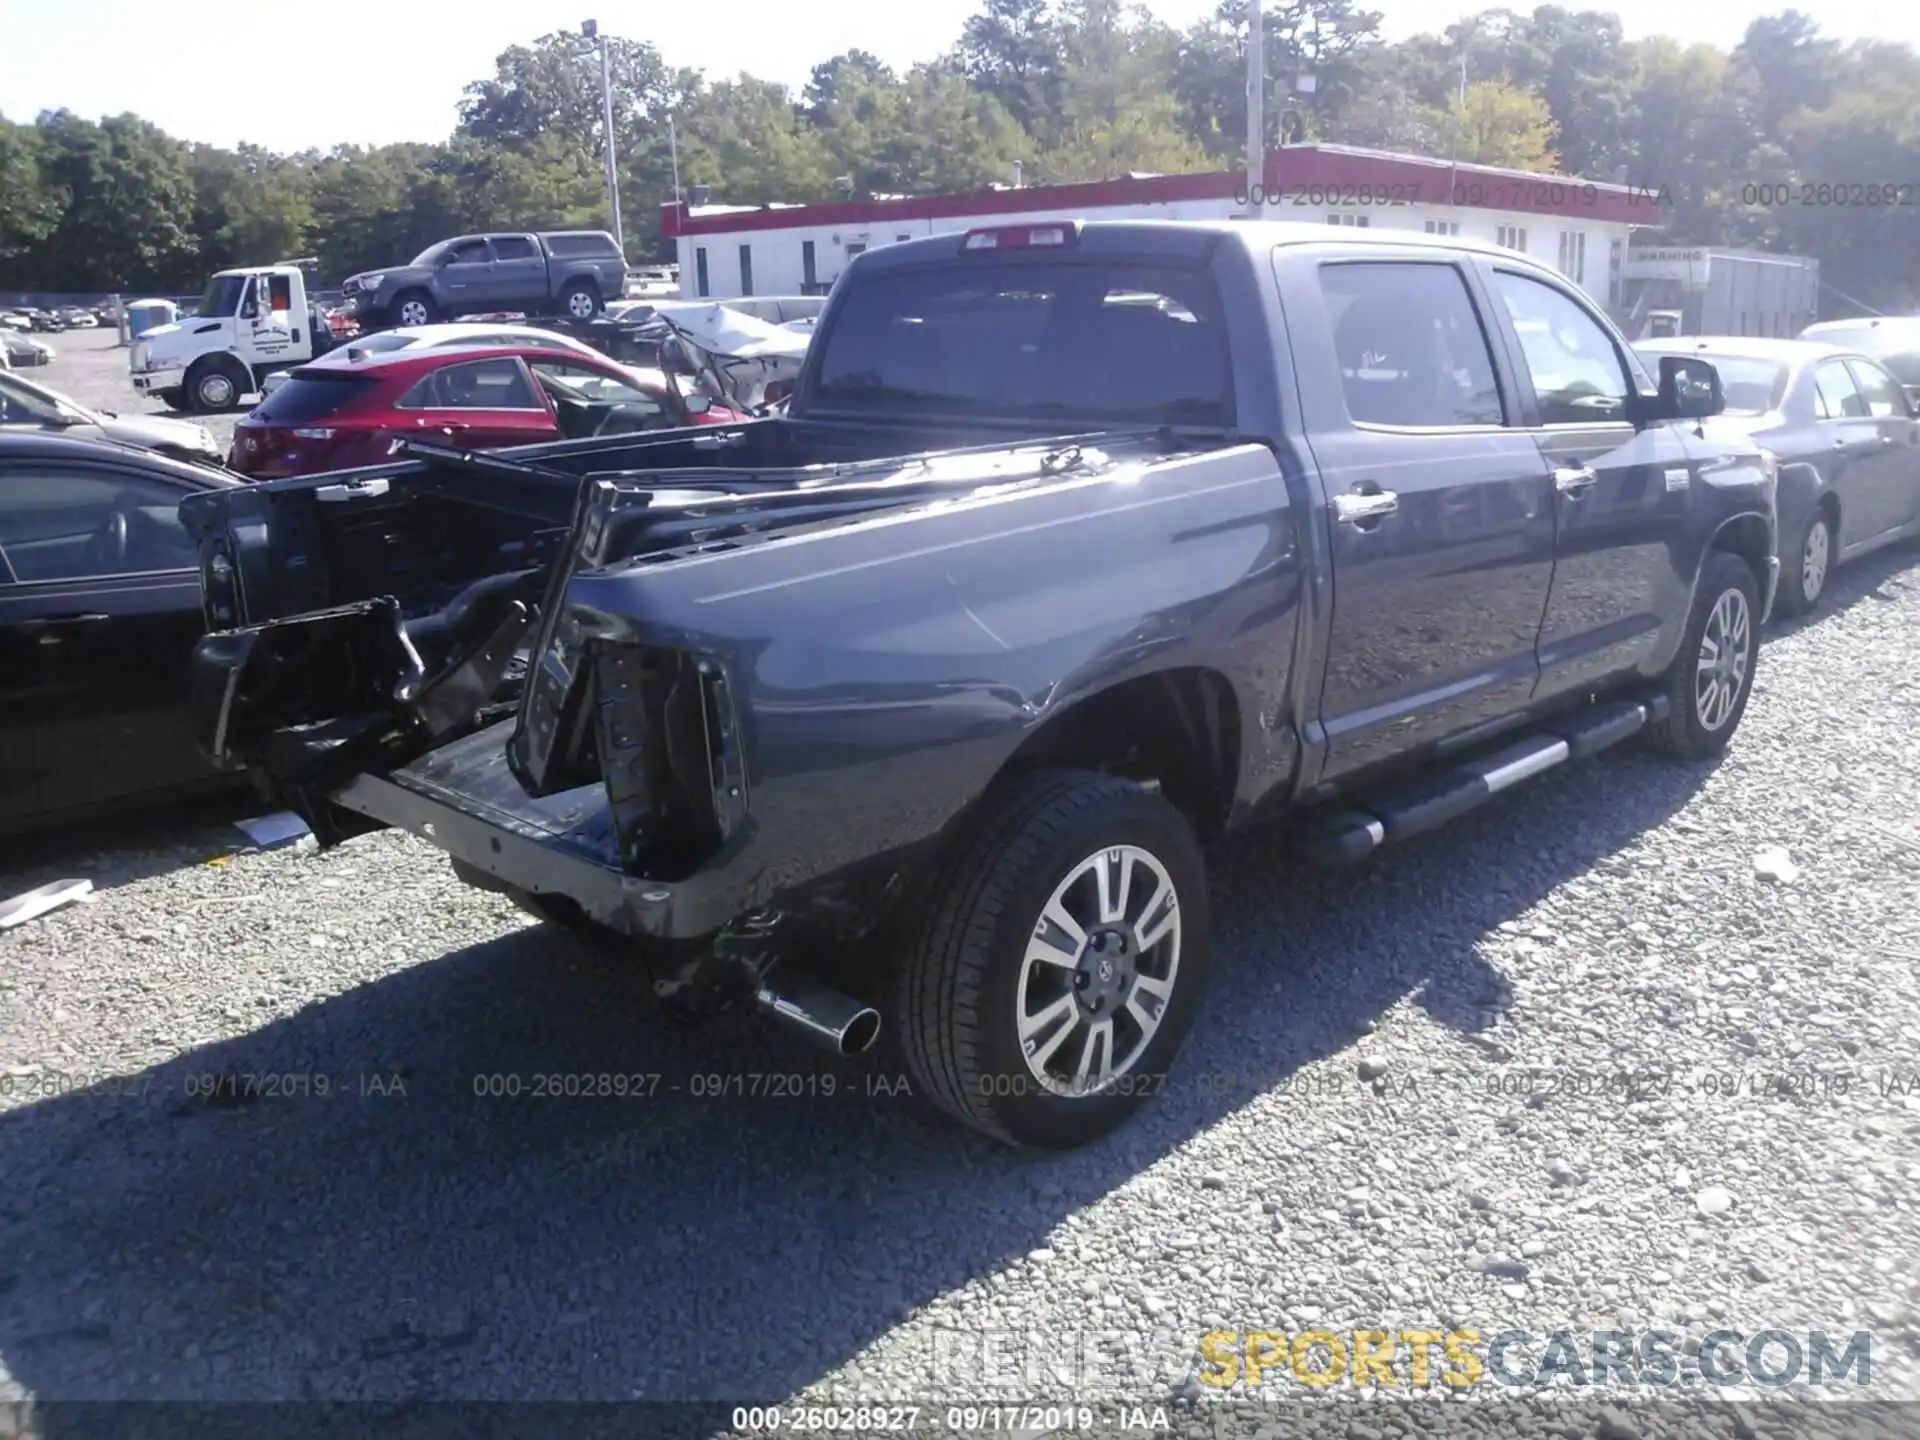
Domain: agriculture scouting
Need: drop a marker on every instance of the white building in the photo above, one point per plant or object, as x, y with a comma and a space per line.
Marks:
1579, 226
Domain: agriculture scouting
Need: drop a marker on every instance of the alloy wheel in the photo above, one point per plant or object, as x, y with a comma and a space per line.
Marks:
1814, 559
1726, 650
1099, 971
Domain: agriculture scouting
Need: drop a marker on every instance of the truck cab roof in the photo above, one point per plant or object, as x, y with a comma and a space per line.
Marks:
1174, 240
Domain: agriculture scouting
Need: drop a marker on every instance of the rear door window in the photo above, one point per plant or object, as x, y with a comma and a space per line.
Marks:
498, 384
312, 395
1839, 397
1884, 397
1106, 342
513, 247
1411, 346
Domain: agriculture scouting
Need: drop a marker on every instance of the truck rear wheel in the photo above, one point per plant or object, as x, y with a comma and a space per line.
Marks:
1062, 960
580, 300
1711, 677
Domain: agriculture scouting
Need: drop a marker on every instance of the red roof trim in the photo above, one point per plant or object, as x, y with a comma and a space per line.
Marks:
1320, 177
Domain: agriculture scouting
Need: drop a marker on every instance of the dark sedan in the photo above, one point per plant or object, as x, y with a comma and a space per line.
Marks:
99, 613
1847, 439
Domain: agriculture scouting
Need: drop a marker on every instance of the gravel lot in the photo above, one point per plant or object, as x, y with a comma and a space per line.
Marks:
1405, 1107
91, 367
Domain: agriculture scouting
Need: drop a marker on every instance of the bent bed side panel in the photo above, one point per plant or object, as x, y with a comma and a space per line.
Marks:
885, 670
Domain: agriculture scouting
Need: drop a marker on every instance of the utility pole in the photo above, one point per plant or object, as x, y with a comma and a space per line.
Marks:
673, 149
1256, 111
591, 29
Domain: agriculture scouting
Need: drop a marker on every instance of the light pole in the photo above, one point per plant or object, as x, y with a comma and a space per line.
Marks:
591, 29
1256, 113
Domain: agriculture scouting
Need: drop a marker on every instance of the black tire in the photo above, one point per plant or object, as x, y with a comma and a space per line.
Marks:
1800, 590
1687, 733
175, 400
413, 307
215, 384
958, 989
580, 300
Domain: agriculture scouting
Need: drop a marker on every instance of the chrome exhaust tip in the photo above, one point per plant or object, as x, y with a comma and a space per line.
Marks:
821, 1016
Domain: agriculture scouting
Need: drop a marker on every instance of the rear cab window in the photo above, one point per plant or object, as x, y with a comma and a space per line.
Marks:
1102, 342
311, 395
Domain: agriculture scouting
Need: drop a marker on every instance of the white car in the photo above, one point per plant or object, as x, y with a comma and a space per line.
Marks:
439, 337
26, 405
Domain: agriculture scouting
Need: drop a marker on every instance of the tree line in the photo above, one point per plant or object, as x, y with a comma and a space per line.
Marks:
1790, 140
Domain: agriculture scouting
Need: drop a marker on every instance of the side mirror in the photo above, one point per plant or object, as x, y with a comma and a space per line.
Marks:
699, 404
250, 311
776, 391
1689, 389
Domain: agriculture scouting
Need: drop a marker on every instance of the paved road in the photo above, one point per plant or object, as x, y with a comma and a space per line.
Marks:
1584, 1061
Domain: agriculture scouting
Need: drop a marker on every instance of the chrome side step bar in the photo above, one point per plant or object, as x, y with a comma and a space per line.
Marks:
1432, 800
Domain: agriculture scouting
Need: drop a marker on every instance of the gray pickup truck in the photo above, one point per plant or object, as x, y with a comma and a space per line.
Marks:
1077, 546
566, 272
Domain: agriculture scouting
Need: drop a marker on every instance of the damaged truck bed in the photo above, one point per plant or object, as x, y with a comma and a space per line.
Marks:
916, 703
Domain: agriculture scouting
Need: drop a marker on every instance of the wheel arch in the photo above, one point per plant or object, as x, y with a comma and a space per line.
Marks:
1749, 537
1180, 727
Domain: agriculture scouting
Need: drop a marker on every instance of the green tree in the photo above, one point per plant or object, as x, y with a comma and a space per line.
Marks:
250, 207
125, 198
1010, 50
28, 212
1500, 124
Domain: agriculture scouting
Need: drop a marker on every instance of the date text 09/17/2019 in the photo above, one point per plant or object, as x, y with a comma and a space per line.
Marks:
1516, 194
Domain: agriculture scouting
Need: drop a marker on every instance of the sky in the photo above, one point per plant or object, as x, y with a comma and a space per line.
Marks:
398, 70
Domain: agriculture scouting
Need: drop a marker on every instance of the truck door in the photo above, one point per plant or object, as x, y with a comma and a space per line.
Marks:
99, 612
519, 274
465, 276
272, 332
1439, 516
1621, 560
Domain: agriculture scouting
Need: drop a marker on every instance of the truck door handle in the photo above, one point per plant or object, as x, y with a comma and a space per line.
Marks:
51, 628
1363, 509
1574, 482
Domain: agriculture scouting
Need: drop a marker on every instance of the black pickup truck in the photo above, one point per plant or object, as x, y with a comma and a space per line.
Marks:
1078, 545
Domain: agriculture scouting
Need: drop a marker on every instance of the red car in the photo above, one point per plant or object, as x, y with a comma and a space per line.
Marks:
348, 409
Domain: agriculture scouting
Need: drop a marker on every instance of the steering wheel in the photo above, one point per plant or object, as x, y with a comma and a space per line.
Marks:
107, 550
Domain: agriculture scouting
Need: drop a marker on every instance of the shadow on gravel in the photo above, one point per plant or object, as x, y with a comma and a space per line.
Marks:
118, 850
443, 1243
